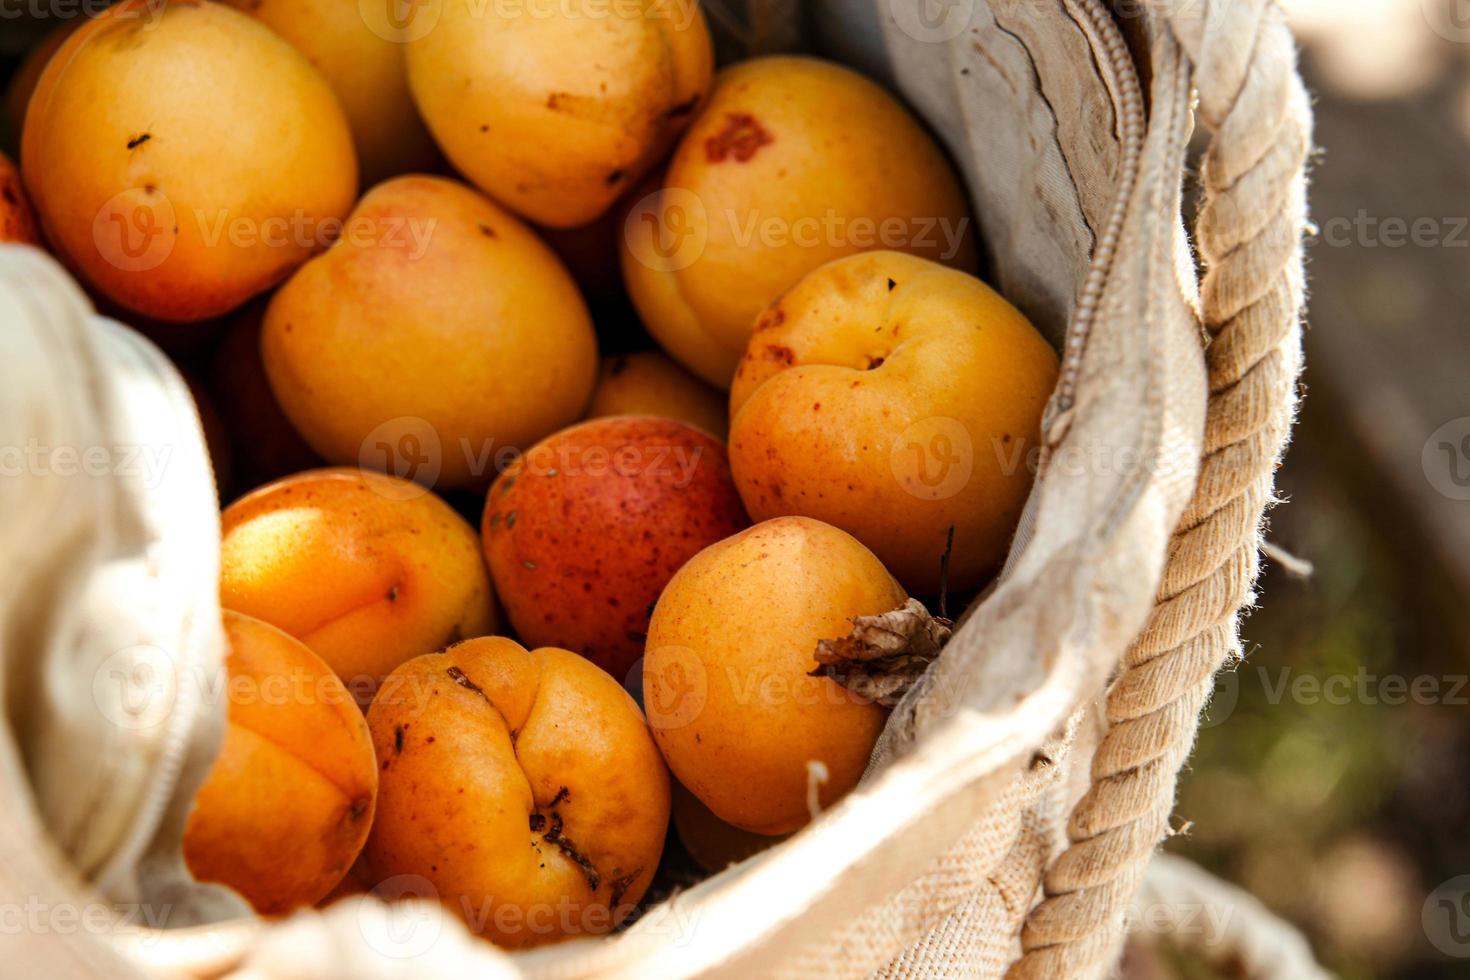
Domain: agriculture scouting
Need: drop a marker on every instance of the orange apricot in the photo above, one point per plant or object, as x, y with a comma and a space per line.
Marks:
727, 677
287, 806
523, 786
366, 569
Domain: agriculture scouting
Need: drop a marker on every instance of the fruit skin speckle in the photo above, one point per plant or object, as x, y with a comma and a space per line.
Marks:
606, 512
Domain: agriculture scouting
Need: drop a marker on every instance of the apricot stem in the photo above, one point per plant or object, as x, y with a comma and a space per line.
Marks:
886, 654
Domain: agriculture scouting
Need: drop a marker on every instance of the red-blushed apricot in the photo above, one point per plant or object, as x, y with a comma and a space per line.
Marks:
441, 323
287, 806
266, 446
648, 383
792, 162
17, 221
714, 844
896, 399
182, 157
367, 570
522, 785
583, 531
555, 112
365, 68
727, 678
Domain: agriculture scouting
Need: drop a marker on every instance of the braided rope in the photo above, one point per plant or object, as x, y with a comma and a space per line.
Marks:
1250, 236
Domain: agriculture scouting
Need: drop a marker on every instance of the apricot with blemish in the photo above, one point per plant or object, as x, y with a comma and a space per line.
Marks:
727, 677
522, 785
556, 112
896, 399
182, 158
585, 529
793, 162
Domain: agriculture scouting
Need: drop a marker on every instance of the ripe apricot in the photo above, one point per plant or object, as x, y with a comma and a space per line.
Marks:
727, 674
265, 444
714, 844
182, 157
793, 162
896, 399
583, 531
17, 222
522, 785
440, 331
287, 806
367, 570
555, 112
648, 383
362, 60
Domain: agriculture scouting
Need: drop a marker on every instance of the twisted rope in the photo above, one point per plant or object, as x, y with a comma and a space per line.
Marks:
1250, 237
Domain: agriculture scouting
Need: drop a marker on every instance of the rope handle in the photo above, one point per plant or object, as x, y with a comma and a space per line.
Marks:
1249, 234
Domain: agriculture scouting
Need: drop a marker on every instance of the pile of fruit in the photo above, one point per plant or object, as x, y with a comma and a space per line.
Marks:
542, 181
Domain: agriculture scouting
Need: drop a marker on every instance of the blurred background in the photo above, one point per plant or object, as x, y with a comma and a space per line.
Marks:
1332, 777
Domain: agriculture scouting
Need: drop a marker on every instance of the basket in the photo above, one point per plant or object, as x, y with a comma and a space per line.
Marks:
1013, 807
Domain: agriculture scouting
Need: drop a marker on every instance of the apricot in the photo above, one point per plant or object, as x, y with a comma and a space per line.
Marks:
583, 531
366, 569
727, 677
713, 844
896, 399
648, 383
361, 57
556, 111
793, 162
17, 222
183, 158
288, 803
439, 333
523, 786
265, 444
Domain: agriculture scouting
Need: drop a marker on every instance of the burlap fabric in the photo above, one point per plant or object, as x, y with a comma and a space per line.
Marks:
1016, 801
